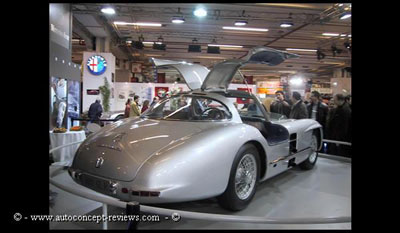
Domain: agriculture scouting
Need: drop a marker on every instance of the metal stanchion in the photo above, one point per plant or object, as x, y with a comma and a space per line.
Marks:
105, 213
133, 208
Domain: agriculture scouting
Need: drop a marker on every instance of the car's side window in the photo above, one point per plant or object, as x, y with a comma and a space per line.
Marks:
247, 107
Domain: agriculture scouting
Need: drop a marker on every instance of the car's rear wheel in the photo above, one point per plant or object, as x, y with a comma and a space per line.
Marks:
312, 158
243, 180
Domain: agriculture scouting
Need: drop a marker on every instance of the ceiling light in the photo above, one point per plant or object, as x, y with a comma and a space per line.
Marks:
228, 46
240, 22
341, 4
108, 10
200, 12
139, 24
345, 15
286, 24
178, 19
303, 50
330, 34
342, 35
246, 29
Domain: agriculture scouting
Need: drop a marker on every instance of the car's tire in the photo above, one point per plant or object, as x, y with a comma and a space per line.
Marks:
309, 163
237, 197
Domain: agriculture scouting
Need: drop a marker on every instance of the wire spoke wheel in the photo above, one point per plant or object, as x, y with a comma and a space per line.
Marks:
314, 148
245, 177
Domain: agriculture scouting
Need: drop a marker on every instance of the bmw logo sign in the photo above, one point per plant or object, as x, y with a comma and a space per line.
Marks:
97, 65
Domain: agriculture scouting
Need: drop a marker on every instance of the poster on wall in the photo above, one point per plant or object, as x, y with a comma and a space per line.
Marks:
161, 91
58, 105
73, 102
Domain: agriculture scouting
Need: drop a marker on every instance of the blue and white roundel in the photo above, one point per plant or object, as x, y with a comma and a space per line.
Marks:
97, 65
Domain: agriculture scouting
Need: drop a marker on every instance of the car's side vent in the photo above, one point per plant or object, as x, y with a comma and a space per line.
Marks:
292, 143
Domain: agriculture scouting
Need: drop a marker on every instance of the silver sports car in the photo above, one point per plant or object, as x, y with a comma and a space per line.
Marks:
198, 144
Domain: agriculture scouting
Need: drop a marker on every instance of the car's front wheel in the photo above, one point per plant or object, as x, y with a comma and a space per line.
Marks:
312, 158
244, 176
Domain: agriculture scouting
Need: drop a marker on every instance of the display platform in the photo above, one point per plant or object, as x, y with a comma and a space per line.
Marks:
324, 191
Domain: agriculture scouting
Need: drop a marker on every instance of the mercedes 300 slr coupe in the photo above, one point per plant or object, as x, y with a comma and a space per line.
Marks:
199, 144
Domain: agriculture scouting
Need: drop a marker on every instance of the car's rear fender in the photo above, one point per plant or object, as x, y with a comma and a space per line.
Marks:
199, 166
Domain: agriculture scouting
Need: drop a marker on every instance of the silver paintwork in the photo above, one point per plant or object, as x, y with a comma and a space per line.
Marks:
183, 160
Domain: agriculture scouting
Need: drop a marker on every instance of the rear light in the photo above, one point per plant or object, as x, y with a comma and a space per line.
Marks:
124, 190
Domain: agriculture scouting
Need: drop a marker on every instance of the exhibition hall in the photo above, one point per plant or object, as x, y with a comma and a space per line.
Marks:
200, 116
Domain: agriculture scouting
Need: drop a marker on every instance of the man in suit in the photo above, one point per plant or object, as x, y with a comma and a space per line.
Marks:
298, 109
280, 105
135, 110
339, 126
317, 110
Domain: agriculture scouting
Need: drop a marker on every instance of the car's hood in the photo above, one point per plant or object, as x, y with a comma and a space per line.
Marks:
193, 74
221, 75
125, 148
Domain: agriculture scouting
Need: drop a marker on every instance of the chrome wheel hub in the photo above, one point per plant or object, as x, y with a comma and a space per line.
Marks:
245, 177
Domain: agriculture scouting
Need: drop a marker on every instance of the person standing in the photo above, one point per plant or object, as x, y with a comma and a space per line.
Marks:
95, 111
339, 126
280, 105
156, 99
145, 105
348, 100
135, 110
127, 108
317, 110
298, 109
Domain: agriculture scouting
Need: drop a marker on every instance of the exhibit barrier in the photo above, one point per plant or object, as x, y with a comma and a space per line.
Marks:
106, 200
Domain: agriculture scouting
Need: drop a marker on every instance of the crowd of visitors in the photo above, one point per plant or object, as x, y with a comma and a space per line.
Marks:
335, 117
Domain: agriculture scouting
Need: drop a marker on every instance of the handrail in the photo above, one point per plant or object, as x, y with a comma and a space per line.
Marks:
337, 142
195, 215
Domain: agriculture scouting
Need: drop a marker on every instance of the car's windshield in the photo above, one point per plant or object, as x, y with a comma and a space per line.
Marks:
189, 108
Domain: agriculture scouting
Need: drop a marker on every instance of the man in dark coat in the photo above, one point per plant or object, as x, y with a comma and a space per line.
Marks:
317, 110
280, 105
95, 111
298, 109
339, 126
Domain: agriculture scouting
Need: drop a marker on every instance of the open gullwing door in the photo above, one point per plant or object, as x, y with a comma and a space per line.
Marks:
219, 78
194, 74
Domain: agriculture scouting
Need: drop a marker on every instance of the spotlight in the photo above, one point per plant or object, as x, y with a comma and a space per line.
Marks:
287, 23
108, 10
345, 16
240, 22
200, 12
178, 19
